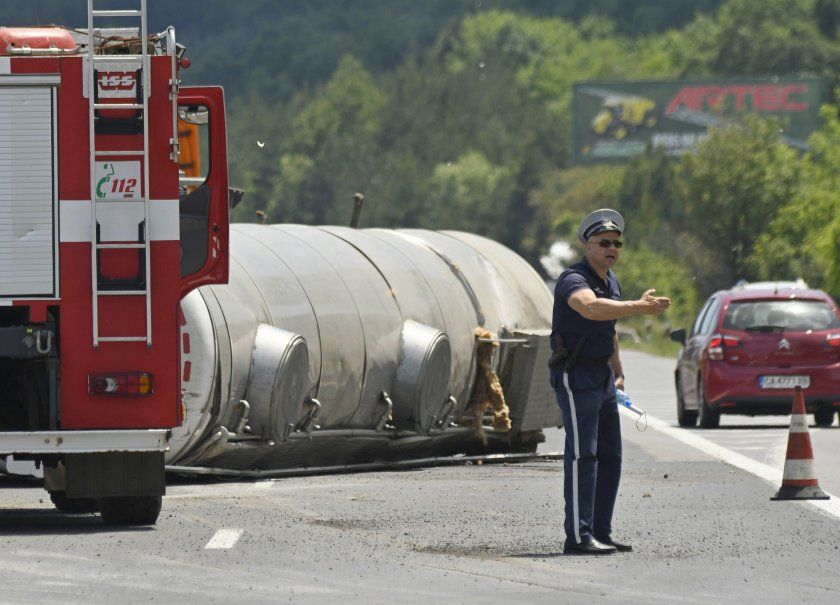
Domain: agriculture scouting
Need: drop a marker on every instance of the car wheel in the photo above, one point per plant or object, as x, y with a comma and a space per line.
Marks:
686, 418
824, 416
709, 418
130, 510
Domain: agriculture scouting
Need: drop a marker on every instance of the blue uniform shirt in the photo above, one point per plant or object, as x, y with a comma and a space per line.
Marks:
570, 325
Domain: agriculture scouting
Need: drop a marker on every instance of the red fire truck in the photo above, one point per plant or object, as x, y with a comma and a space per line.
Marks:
98, 244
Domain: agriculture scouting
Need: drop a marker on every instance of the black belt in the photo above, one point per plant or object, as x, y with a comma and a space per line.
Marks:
593, 362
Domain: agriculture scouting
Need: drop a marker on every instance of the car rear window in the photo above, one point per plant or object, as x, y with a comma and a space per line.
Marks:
790, 315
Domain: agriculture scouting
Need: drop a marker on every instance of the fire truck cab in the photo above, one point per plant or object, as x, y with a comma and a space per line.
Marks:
99, 241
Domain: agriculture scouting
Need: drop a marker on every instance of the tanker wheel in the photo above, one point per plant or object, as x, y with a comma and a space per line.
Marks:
130, 510
73, 505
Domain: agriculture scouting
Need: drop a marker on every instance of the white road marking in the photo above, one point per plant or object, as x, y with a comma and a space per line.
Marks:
224, 538
763, 471
264, 484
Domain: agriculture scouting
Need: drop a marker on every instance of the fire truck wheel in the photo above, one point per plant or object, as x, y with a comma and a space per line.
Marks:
130, 510
73, 505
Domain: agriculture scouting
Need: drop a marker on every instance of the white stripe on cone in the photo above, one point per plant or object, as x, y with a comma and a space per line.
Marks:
799, 423
799, 469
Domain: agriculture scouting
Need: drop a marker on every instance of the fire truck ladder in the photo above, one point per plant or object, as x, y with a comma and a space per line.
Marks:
143, 243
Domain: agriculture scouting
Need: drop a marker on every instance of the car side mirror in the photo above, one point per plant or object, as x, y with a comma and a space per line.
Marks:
678, 336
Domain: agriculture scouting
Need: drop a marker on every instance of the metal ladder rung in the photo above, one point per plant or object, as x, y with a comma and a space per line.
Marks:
121, 292
116, 58
117, 13
120, 246
101, 152
122, 339
118, 106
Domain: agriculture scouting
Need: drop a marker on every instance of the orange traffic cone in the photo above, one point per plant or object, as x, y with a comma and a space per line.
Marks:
798, 480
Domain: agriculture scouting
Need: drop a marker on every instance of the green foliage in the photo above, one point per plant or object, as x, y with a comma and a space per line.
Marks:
731, 189
471, 193
642, 268
455, 114
803, 239
753, 38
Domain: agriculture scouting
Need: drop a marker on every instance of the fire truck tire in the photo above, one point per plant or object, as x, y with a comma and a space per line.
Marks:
130, 510
73, 505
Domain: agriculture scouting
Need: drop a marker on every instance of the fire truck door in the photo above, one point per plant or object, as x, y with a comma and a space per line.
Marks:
204, 210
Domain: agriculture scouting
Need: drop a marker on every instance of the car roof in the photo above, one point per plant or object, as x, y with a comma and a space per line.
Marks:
771, 290
780, 294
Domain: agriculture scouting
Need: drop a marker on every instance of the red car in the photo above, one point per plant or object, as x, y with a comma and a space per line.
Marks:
751, 346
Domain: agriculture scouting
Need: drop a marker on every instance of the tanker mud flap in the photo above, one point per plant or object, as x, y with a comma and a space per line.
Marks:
114, 474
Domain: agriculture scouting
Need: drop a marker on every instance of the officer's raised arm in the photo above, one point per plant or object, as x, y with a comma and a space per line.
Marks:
591, 307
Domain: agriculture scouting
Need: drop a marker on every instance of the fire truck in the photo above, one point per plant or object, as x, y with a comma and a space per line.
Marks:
99, 241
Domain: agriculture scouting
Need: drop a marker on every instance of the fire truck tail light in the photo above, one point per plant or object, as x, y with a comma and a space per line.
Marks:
134, 384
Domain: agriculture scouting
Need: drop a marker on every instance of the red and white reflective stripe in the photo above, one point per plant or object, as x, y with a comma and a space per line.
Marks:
75, 220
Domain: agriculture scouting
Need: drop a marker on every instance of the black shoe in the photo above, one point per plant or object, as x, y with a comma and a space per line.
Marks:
618, 546
590, 547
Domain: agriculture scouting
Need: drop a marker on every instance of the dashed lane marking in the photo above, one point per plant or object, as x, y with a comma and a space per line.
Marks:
224, 538
763, 471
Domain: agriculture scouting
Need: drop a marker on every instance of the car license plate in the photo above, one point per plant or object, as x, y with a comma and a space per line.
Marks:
784, 382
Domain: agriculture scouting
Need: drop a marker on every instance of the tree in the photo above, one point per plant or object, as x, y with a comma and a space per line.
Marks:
732, 189
804, 238
751, 38
471, 193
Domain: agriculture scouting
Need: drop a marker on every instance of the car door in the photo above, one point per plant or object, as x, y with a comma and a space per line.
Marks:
710, 322
692, 354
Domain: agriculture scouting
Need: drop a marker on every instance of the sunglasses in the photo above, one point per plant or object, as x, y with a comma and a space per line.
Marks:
606, 243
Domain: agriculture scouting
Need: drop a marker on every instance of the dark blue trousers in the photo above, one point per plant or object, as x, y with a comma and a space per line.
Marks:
592, 462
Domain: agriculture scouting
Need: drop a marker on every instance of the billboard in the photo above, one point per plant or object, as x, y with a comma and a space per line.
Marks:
613, 121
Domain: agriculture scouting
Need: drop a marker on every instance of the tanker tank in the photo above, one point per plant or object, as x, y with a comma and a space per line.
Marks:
332, 346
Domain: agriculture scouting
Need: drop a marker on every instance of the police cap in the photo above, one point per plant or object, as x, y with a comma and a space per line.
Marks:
598, 222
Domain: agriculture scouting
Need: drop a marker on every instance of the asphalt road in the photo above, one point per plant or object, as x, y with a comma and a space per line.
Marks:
703, 531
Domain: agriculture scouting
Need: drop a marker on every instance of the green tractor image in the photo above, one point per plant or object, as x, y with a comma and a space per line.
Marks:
622, 114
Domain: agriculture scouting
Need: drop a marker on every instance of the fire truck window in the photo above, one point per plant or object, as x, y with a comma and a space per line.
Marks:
193, 136
193, 139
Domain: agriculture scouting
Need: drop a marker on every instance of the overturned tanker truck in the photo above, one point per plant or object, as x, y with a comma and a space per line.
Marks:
334, 347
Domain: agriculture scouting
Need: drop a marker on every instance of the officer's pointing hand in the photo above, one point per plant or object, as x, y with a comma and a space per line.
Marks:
654, 305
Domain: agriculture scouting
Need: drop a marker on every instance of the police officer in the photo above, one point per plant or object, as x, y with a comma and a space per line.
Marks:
586, 370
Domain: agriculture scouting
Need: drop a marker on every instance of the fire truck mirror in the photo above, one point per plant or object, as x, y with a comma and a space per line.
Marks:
194, 115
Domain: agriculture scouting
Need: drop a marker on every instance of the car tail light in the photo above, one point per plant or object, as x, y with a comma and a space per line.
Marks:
133, 384
833, 340
719, 343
